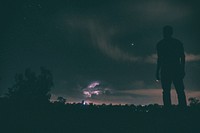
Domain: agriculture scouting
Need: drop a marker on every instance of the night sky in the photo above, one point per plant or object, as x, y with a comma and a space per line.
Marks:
100, 51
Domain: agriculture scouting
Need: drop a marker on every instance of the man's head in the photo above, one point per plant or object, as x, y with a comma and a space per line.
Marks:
167, 31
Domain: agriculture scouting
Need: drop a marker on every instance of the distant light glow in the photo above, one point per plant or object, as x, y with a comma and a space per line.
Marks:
94, 84
92, 89
89, 93
157, 81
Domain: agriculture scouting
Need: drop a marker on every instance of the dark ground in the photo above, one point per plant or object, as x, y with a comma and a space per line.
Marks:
78, 118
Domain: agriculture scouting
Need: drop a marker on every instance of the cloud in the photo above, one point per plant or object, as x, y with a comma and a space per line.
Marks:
137, 84
193, 93
102, 39
152, 59
132, 96
139, 96
136, 96
95, 89
155, 95
143, 92
102, 36
192, 57
164, 10
188, 56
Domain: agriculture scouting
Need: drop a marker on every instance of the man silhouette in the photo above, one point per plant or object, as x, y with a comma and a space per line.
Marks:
171, 66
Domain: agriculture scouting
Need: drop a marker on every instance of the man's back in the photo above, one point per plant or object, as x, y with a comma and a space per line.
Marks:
170, 51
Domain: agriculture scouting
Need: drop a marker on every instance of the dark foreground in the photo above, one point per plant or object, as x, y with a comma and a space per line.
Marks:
58, 118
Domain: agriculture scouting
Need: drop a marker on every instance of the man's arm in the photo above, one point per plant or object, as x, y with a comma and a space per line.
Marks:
158, 63
182, 61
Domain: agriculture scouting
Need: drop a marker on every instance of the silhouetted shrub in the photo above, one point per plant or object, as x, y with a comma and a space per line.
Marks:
61, 100
30, 87
194, 101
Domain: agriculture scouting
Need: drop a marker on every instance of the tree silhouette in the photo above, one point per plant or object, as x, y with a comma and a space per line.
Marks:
194, 101
30, 87
61, 100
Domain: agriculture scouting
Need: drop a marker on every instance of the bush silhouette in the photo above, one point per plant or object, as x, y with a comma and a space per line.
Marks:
61, 100
194, 101
29, 87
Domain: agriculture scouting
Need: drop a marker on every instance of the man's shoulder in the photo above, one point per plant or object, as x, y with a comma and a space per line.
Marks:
169, 41
177, 41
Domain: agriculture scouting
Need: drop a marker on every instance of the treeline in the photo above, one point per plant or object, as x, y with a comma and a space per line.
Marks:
75, 118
